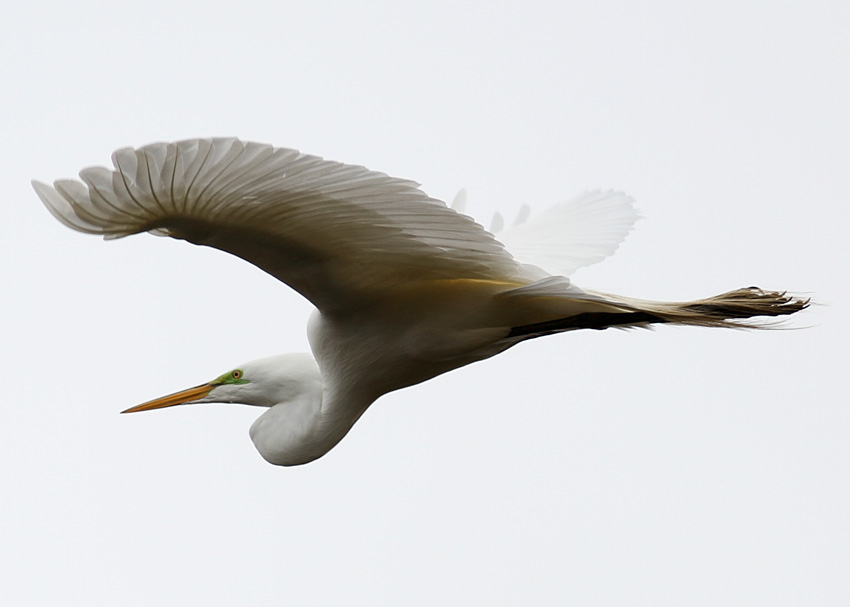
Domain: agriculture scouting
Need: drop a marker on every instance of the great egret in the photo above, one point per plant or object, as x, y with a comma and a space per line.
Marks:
405, 287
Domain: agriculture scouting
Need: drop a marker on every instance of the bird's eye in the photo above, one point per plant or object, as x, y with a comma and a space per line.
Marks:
237, 374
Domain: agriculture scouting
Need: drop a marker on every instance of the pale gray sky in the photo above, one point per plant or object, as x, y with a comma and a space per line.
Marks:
674, 467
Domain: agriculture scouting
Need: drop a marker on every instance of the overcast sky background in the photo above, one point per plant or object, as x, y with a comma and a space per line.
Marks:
674, 467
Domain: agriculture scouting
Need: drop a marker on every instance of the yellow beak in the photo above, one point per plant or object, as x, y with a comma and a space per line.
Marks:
178, 398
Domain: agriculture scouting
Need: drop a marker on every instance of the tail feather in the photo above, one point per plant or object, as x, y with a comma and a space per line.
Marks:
730, 310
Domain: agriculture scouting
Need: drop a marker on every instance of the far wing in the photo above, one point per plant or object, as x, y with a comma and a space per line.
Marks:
336, 233
577, 233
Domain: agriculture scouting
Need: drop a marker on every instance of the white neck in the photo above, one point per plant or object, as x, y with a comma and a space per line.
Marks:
306, 426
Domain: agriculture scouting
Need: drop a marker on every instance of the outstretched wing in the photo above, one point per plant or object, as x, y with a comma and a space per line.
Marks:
577, 233
338, 234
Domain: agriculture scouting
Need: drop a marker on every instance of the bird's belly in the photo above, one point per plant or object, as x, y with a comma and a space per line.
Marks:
391, 351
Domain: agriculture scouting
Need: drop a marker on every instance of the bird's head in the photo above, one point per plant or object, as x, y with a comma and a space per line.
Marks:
264, 382
290, 385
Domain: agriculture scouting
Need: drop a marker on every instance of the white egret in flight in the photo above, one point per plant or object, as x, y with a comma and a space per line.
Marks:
405, 288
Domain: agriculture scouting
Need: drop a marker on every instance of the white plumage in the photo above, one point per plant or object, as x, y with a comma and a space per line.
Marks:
405, 287
576, 233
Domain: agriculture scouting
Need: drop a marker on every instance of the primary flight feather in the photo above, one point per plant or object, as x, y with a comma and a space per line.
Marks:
405, 288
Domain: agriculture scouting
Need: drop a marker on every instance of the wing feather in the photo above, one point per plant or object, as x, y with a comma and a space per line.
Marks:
576, 233
339, 234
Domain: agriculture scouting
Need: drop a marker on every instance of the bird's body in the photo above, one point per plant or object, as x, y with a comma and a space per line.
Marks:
405, 288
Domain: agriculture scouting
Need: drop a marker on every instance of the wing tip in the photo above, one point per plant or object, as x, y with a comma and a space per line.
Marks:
57, 204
